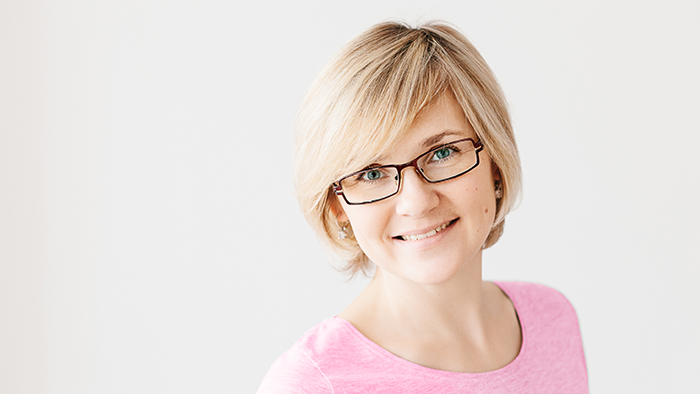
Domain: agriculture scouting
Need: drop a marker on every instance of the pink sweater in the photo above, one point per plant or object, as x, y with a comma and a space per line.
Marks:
334, 357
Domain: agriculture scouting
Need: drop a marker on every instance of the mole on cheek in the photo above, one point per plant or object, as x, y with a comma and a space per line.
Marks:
486, 210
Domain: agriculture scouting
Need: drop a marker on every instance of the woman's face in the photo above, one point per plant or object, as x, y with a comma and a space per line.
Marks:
465, 204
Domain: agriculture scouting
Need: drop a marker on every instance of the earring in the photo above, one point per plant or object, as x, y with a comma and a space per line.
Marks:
343, 232
499, 189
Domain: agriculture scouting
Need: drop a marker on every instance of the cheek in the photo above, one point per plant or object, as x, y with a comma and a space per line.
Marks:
371, 240
489, 208
484, 212
489, 215
367, 225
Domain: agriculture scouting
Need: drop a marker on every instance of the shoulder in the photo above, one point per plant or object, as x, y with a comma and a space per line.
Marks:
294, 372
549, 324
542, 309
535, 297
304, 367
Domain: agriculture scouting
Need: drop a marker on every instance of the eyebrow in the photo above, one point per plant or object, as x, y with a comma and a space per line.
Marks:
428, 142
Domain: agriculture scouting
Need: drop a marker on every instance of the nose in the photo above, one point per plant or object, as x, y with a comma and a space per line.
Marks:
417, 197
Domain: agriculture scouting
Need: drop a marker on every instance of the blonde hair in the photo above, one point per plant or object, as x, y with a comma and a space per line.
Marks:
365, 99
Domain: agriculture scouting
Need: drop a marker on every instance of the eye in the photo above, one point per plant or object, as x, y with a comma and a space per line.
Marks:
442, 153
371, 175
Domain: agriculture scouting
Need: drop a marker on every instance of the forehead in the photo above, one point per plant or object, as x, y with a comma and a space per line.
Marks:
441, 121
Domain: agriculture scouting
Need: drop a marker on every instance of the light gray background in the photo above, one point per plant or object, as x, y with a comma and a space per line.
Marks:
149, 237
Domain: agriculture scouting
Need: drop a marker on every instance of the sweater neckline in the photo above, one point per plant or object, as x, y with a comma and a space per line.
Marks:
506, 369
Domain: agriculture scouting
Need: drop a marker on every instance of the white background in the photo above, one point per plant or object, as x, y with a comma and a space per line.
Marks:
150, 241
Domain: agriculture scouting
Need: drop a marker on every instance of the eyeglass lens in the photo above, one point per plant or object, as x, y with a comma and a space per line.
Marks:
442, 163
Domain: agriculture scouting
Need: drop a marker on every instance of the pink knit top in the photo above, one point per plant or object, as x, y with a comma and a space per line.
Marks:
333, 357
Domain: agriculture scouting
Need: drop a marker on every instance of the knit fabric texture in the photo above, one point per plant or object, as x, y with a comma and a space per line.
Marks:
334, 357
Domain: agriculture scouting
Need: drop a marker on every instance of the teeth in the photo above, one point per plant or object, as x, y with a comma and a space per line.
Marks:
426, 235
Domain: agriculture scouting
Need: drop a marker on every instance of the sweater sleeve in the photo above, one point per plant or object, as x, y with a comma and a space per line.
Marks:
295, 373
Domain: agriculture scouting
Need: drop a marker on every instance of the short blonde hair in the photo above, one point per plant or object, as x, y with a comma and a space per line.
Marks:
365, 99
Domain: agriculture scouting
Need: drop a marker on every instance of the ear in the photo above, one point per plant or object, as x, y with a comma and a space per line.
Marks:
337, 209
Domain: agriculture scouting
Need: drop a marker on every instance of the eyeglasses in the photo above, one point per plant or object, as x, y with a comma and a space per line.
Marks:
439, 164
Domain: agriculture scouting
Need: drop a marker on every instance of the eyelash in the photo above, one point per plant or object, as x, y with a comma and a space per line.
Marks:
433, 150
362, 172
453, 148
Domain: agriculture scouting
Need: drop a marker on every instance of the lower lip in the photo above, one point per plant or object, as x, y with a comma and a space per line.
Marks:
426, 243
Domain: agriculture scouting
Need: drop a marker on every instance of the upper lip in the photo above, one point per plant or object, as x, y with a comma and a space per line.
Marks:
425, 229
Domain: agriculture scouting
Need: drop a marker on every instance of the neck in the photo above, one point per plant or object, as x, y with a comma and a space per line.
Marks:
460, 325
453, 308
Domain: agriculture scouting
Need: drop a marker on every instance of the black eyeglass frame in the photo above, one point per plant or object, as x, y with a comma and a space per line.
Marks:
338, 189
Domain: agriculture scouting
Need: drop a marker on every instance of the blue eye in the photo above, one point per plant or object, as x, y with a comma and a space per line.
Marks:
442, 153
371, 175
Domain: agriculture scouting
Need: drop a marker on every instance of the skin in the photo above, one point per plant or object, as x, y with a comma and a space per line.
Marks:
427, 302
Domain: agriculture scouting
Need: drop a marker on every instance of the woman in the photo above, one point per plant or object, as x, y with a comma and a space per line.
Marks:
406, 163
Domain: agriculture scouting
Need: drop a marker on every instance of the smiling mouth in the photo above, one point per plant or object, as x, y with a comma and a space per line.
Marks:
429, 234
